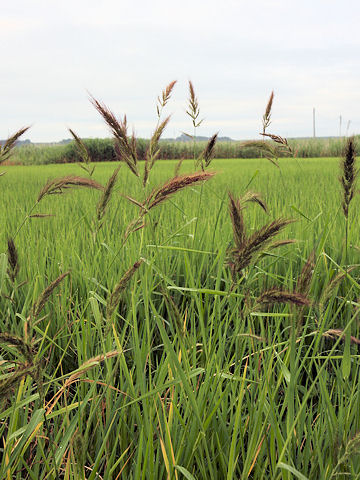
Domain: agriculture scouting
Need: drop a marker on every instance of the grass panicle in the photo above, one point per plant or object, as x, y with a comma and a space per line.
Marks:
266, 120
281, 243
237, 221
13, 260
178, 167
271, 152
254, 197
329, 289
208, 153
84, 153
125, 146
165, 191
115, 296
304, 280
193, 107
153, 150
9, 383
349, 175
106, 195
19, 343
276, 295
242, 257
165, 96
281, 141
60, 185
7, 147
41, 215
338, 332
45, 295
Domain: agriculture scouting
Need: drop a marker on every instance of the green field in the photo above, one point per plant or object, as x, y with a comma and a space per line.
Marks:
192, 376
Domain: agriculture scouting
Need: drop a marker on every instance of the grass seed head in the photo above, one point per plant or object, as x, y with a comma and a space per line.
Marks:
275, 295
45, 295
125, 146
22, 347
166, 94
161, 194
207, 154
193, 107
8, 384
267, 114
241, 258
114, 299
59, 185
349, 174
13, 260
82, 148
105, 197
9, 144
304, 280
237, 221
256, 198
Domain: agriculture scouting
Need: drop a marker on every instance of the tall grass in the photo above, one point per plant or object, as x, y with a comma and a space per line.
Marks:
136, 345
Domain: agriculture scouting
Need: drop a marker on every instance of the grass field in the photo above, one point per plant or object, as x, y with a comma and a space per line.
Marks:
195, 373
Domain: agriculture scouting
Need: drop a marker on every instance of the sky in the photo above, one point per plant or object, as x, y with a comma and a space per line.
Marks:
54, 54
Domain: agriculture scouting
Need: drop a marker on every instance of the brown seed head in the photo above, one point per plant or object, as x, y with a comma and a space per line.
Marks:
276, 295
166, 93
5, 149
237, 221
59, 185
304, 280
13, 260
349, 174
267, 114
105, 197
173, 185
45, 295
207, 155
125, 147
114, 299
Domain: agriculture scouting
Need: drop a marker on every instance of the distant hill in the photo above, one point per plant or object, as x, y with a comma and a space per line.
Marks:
186, 138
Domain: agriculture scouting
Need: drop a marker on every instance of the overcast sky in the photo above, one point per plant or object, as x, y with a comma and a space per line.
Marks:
124, 52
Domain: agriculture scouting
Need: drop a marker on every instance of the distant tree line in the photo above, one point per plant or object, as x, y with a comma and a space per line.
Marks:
102, 150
